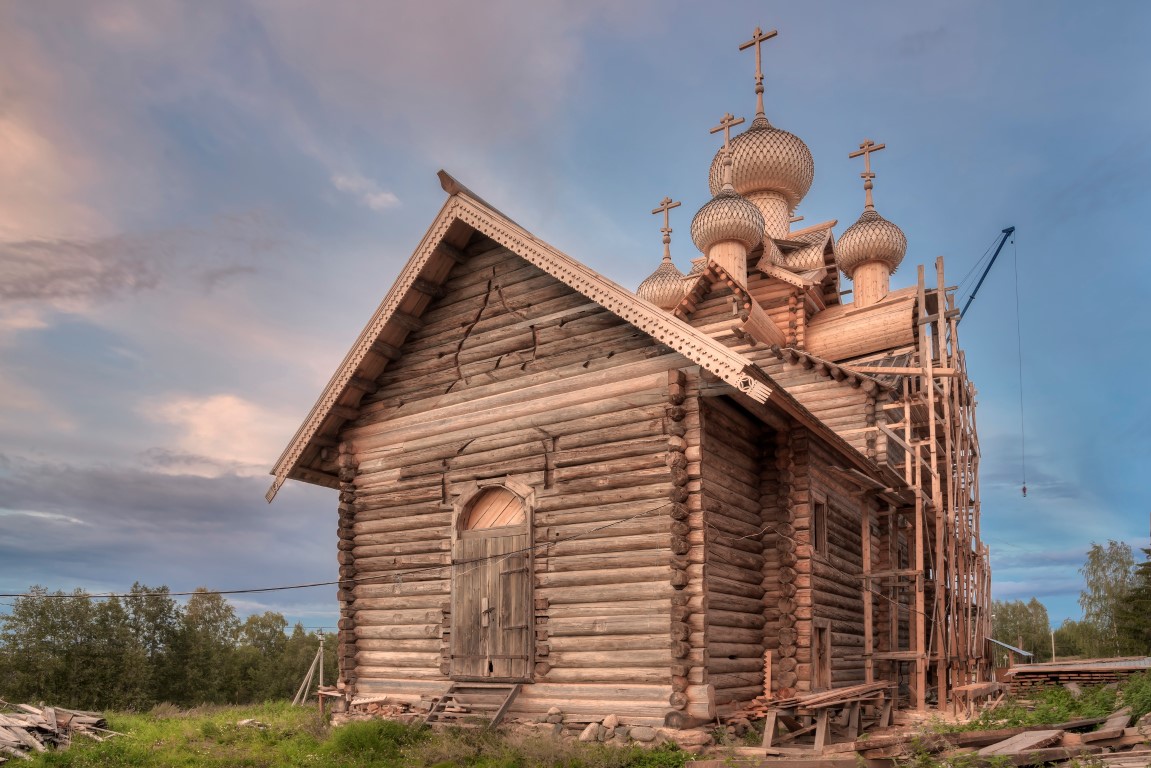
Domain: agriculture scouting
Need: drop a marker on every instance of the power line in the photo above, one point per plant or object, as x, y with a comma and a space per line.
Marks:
395, 576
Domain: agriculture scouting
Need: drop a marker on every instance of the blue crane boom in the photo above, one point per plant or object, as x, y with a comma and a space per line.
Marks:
1006, 234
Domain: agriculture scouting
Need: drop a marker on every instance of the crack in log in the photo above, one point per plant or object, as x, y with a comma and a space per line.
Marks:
468, 330
516, 312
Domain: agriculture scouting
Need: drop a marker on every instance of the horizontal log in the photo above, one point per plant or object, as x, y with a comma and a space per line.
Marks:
370, 665
610, 659
716, 583
645, 606
400, 602
371, 618
614, 643
398, 632
618, 592
722, 641
610, 560
397, 660
658, 674
733, 619
607, 625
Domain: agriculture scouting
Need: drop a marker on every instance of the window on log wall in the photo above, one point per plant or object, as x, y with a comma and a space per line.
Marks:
494, 508
819, 525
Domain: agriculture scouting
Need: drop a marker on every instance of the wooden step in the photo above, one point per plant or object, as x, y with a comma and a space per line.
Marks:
466, 703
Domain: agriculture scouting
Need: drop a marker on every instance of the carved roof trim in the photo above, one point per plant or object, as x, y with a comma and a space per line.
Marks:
464, 206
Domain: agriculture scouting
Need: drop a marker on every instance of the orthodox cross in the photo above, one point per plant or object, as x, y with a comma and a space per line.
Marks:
755, 40
865, 149
666, 205
728, 122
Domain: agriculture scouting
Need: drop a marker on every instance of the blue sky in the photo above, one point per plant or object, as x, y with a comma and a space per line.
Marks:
202, 203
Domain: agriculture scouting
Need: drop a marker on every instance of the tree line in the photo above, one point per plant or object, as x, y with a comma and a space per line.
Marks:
1116, 603
144, 648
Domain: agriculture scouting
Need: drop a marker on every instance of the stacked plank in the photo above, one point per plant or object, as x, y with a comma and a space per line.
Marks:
34, 729
833, 697
760, 706
1089, 672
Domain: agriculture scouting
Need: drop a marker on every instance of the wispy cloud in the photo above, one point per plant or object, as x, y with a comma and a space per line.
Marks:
39, 277
365, 191
65, 270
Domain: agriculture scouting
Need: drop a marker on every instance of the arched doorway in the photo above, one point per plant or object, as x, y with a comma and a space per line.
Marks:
492, 589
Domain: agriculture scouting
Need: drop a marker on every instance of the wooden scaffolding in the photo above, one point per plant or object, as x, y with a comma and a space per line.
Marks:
927, 601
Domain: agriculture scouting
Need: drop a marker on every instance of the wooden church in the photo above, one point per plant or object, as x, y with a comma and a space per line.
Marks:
657, 504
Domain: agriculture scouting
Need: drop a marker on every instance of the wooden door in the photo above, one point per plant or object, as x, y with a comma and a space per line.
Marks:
491, 594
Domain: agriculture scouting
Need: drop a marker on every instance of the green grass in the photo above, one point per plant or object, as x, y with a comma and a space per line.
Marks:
209, 737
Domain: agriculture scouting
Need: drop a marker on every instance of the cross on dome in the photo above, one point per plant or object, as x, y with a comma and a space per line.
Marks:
666, 205
865, 149
756, 39
728, 122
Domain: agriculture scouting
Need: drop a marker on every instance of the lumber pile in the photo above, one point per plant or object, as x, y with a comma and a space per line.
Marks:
833, 697
758, 707
25, 728
1084, 673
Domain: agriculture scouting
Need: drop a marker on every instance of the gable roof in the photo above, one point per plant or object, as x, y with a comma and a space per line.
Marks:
752, 319
417, 285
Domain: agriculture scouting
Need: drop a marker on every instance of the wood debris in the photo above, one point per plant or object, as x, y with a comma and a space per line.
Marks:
25, 728
1108, 741
792, 739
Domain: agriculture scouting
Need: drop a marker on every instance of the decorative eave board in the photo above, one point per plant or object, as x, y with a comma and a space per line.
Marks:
463, 213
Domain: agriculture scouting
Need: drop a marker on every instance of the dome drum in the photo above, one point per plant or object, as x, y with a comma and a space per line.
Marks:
776, 213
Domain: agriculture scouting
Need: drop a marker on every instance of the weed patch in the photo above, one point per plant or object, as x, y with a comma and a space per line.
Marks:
293, 737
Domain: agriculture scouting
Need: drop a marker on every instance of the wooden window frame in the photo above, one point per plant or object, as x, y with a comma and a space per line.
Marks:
820, 516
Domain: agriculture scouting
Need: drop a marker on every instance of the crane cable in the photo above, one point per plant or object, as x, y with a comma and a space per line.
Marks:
1019, 353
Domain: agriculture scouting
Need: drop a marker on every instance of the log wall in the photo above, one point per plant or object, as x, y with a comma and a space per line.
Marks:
514, 375
732, 471
832, 577
850, 411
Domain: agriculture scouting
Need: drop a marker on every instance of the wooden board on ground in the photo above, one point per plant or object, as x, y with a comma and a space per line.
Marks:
1022, 743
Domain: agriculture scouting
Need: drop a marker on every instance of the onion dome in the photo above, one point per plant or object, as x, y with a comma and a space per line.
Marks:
664, 287
872, 238
727, 216
766, 159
